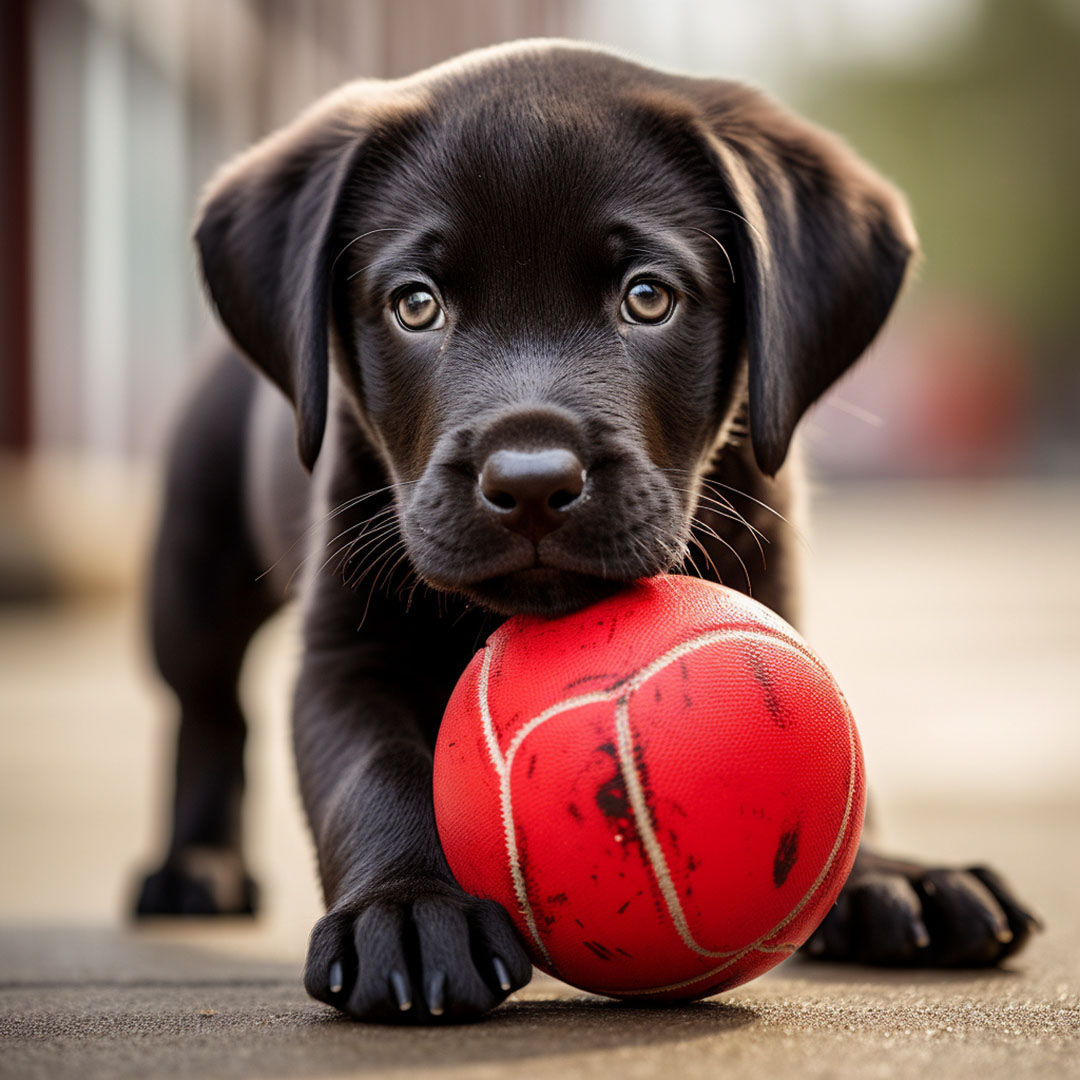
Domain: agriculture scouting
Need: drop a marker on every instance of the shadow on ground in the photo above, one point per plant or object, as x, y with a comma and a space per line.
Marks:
86, 1003
803, 969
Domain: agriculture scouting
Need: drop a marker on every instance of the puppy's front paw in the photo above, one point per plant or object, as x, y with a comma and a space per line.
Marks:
433, 955
901, 913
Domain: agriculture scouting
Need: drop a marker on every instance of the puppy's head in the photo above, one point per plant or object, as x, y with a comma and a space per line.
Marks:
549, 282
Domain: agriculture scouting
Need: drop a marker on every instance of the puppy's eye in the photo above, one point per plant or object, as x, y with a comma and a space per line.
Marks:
417, 309
647, 302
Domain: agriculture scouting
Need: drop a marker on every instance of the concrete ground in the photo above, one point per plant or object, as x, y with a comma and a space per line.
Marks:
949, 615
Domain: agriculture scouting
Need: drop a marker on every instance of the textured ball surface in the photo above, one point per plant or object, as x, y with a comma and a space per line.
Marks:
665, 790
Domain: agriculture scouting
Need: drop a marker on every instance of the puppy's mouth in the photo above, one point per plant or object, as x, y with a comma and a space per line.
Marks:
546, 582
539, 590
547, 561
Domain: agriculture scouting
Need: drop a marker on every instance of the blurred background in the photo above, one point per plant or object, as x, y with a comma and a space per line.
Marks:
945, 550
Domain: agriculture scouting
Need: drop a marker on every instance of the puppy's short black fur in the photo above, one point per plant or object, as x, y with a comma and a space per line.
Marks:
546, 320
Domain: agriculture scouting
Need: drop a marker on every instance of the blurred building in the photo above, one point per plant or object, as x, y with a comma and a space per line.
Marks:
115, 112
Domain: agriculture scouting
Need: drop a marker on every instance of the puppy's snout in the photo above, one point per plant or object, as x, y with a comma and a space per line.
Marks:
532, 491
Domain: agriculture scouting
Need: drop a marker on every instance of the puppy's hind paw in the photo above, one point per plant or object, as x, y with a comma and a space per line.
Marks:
198, 883
899, 913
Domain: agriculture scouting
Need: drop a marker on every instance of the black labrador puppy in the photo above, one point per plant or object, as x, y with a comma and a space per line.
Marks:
546, 320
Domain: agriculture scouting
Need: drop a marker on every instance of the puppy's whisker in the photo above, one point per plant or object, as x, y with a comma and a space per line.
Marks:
356, 239
390, 573
412, 592
675, 549
410, 576
713, 484
418, 581
688, 558
749, 224
364, 525
348, 504
351, 549
377, 521
708, 557
724, 509
707, 506
357, 273
730, 265
352, 564
737, 517
395, 486
717, 497
355, 581
716, 536
712, 504
386, 570
333, 555
697, 524
865, 415
375, 559
644, 552
708, 530
369, 534
704, 551
367, 606
382, 563
371, 546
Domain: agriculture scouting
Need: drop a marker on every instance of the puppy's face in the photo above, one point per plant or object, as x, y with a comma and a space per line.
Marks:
553, 278
542, 338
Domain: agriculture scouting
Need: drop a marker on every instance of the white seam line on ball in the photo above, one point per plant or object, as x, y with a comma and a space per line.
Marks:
504, 766
520, 889
502, 770
643, 822
759, 946
635, 682
485, 715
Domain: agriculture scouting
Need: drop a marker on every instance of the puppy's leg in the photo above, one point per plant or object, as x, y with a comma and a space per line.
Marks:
400, 941
205, 605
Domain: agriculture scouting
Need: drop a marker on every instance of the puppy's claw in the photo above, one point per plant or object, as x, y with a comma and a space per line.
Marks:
1021, 916
501, 973
922, 935
1037, 921
337, 977
435, 993
402, 990
997, 923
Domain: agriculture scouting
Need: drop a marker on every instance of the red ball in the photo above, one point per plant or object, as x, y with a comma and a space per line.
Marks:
665, 790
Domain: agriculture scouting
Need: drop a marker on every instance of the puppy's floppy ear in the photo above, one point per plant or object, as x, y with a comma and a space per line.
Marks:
823, 248
265, 233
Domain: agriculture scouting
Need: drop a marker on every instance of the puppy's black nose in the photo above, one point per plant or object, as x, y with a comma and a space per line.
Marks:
532, 491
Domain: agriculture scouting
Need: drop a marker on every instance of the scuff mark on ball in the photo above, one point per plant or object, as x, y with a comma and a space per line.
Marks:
787, 851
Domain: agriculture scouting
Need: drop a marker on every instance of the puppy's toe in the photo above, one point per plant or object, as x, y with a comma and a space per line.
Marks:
878, 920
435, 957
889, 924
1022, 921
969, 925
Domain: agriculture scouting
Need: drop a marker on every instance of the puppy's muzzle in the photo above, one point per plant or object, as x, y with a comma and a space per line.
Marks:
532, 492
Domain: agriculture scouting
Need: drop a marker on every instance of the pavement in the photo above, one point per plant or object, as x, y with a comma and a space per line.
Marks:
95, 1001
959, 657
